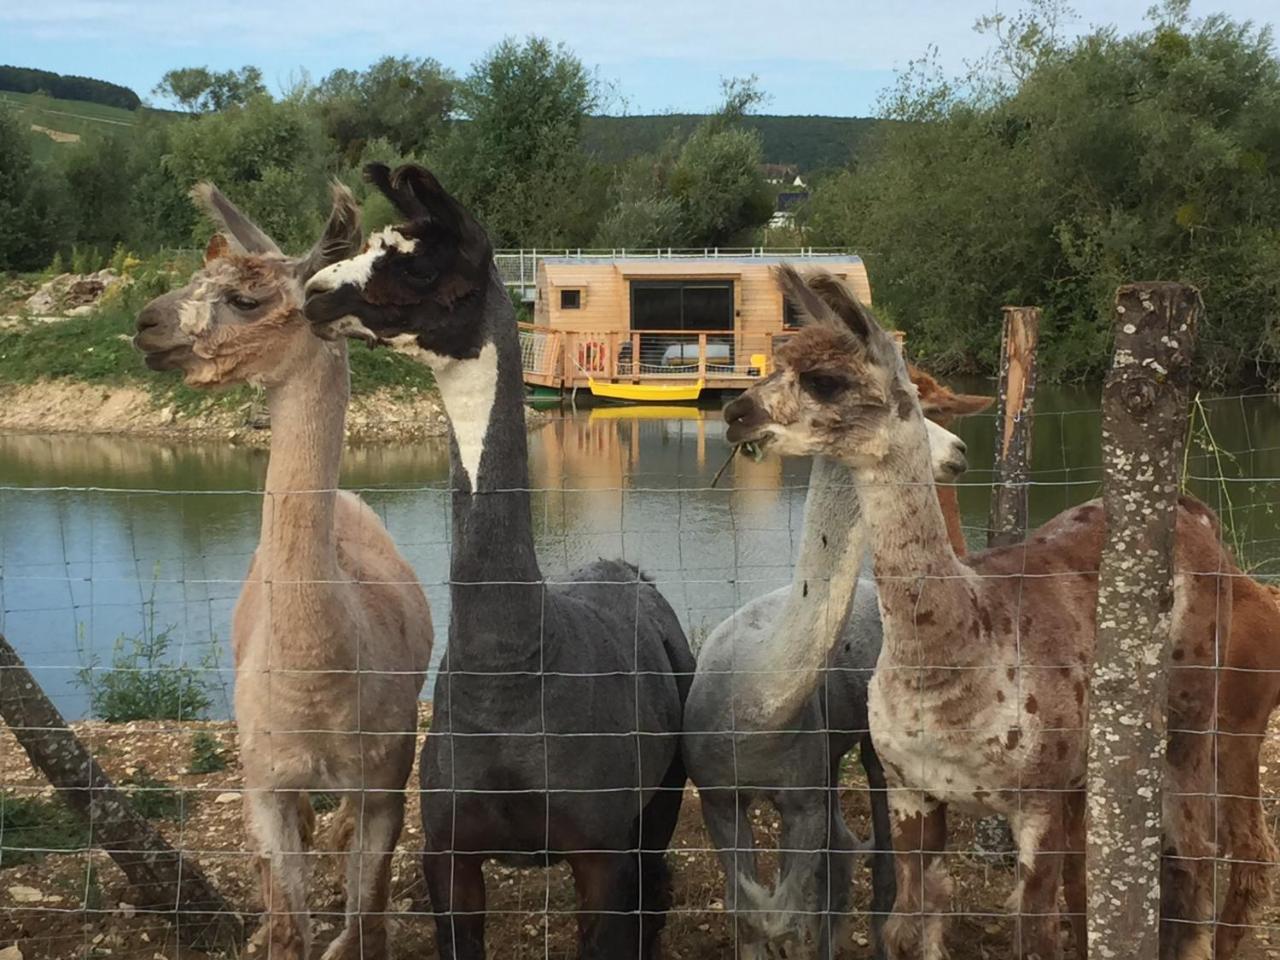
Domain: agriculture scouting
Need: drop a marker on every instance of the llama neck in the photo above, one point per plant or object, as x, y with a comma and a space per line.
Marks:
308, 415
925, 590
826, 575
496, 585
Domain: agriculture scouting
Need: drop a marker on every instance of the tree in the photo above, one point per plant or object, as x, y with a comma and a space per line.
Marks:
35, 220
202, 90
404, 101
1093, 162
517, 159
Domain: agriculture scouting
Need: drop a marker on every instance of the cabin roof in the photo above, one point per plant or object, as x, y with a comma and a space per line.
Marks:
705, 263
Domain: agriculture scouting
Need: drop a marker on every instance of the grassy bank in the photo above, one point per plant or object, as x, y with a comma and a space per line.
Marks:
47, 364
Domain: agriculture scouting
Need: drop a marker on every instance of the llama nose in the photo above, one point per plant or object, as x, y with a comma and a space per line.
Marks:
148, 318
738, 409
961, 448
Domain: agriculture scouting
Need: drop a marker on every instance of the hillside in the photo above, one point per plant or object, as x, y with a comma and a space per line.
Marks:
810, 143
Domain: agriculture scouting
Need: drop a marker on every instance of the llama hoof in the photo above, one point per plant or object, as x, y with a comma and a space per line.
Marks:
348, 946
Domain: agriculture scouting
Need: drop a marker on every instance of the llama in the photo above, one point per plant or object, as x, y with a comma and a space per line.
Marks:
742, 742
332, 633
979, 699
1248, 693
559, 705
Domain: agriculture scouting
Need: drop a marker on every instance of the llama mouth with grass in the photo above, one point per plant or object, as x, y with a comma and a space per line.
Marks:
332, 633
559, 705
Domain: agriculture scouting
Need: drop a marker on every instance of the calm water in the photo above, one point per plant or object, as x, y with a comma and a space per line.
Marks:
100, 536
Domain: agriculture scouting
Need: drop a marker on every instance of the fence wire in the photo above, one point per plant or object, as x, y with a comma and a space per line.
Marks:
118, 593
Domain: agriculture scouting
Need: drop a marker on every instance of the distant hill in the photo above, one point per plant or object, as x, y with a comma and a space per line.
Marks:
810, 143
64, 87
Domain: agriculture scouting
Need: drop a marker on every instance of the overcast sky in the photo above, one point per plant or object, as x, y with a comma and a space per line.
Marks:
815, 57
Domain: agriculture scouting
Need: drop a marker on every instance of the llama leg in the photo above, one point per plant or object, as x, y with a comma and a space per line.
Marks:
608, 886
455, 884
914, 930
273, 823
802, 897
883, 881
1243, 833
1038, 829
1074, 882
657, 825
725, 812
380, 816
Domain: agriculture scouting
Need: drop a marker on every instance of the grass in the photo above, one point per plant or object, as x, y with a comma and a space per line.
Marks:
31, 826
97, 349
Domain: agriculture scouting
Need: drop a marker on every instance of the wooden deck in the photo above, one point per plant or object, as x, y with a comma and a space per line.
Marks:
722, 359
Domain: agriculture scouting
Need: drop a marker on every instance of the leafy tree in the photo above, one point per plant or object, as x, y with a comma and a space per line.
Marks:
202, 90
404, 101
35, 217
1066, 168
27, 80
517, 159
269, 156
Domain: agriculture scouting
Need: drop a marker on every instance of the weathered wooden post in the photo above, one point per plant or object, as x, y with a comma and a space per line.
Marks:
1144, 419
1008, 518
165, 881
1008, 522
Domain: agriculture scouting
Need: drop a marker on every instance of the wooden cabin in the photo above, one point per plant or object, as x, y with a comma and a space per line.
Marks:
653, 328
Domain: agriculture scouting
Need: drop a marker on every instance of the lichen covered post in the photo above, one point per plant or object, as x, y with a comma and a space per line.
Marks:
1144, 415
1008, 522
164, 881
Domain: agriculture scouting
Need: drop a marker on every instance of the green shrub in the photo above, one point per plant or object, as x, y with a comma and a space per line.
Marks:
154, 798
30, 827
206, 753
142, 684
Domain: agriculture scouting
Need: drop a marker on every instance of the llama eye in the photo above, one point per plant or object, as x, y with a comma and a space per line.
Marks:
239, 302
824, 386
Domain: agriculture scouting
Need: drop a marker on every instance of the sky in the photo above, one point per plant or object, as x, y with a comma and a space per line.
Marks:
828, 57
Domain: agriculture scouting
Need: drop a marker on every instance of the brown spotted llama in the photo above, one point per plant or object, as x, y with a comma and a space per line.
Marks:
332, 633
980, 696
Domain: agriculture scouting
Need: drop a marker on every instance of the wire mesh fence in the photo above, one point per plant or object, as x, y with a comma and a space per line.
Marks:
122, 562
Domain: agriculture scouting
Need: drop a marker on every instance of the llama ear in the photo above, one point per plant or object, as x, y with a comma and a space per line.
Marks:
852, 311
242, 231
422, 184
796, 290
342, 237
217, 248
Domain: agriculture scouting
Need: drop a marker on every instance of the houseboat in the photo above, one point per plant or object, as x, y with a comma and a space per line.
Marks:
661, 327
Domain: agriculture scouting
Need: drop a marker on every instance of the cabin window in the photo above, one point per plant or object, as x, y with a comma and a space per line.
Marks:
681, 310
570, 299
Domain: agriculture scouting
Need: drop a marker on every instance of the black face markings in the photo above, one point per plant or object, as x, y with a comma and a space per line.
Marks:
904, 402
824, 386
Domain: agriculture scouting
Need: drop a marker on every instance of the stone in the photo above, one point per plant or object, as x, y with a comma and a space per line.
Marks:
26, 894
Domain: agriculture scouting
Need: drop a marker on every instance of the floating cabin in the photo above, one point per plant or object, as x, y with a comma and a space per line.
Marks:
663, 329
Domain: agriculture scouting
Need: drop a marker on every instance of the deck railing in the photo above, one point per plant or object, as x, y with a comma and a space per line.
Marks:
721, 358
519, 268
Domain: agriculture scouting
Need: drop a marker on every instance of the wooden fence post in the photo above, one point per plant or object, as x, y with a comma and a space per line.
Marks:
1144, 418
1008, 521
166, 882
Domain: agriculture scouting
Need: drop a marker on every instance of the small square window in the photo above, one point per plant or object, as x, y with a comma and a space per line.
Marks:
570, 299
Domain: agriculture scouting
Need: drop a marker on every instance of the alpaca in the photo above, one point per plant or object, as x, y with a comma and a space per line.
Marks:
968, 710
739, 748
559, 705
332, 633
1248, 693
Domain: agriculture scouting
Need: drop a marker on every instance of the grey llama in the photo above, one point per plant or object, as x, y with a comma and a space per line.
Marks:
770, 718
332, 633
559, 705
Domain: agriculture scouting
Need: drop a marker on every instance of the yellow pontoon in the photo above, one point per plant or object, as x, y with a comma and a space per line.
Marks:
646, 392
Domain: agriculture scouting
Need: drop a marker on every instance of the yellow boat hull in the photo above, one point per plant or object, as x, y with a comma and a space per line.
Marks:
646, 392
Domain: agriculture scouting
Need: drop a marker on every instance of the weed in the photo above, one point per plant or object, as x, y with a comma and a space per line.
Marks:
31, 827
206, 753
154, 798
325, 802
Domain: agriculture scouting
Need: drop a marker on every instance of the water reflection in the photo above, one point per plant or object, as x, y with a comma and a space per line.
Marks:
94, 531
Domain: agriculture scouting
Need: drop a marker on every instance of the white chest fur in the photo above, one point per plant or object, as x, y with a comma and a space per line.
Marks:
468, 388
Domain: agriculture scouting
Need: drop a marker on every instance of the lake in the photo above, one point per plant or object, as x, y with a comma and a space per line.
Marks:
102, 538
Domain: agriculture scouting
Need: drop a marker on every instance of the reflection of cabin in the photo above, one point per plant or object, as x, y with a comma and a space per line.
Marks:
663, 321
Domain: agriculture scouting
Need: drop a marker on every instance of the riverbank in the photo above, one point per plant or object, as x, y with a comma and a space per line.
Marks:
69, 406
